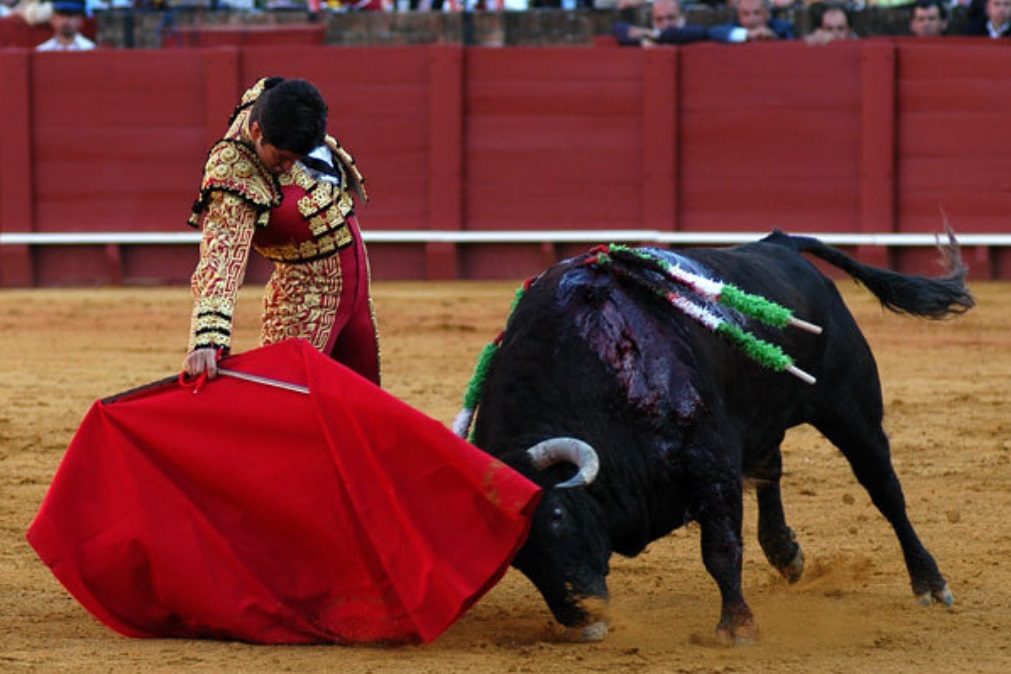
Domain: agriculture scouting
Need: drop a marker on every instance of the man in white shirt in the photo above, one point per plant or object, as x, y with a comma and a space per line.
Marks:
996, 23
66, 22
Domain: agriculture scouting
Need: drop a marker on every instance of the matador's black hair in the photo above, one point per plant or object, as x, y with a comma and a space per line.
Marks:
292, 115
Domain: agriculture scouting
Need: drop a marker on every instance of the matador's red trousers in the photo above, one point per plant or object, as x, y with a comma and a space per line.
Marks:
354, 341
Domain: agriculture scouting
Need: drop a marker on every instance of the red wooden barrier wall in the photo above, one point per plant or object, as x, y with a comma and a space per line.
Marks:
870, 136
948, 147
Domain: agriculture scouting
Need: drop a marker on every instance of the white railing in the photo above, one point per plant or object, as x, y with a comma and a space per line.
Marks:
521, 236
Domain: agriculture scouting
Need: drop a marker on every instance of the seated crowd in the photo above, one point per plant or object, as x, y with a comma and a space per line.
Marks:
663, 22
761, 20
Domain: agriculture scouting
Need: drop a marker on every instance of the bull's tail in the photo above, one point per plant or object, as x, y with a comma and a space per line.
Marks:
923, 296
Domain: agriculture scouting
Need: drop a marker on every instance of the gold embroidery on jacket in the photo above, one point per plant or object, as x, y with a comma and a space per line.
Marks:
302, 301
325, 207
229, 224
317, 199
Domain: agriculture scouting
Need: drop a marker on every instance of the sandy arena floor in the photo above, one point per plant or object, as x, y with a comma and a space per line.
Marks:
946, 389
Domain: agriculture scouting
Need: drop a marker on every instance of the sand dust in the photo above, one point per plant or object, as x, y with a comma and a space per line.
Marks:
948, 405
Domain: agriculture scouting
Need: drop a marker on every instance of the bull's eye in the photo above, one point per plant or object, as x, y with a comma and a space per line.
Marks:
556, 522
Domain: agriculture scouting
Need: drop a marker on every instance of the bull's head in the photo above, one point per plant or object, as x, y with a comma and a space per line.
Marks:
566, 555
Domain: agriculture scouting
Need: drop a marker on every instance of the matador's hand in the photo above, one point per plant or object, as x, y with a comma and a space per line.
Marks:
202, 360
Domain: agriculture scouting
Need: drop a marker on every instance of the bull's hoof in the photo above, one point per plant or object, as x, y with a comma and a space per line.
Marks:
588, 633
595, 632
942, 596
738, 635
737, 626
795, 569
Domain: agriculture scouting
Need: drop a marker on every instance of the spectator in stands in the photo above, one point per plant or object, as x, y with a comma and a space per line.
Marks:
930, 19
996, 23
669, 27
103, 5
753, 23
66, 22
834, 25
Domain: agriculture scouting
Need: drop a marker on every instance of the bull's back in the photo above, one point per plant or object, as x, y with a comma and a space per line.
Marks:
840, 357
585, 352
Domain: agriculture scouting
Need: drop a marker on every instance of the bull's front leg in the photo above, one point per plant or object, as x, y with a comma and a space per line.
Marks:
718, 510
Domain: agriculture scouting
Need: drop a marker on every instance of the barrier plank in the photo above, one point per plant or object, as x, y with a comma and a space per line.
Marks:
16, 188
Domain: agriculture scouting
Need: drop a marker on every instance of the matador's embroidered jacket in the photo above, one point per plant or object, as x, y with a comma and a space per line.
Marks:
297, 219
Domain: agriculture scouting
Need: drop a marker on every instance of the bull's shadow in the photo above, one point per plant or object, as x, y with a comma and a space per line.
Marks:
667, 386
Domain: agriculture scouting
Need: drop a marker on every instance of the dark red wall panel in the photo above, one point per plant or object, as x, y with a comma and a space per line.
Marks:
397, 261
515, 260
553, 139
16, 190
117, 142
955, 108
770, 137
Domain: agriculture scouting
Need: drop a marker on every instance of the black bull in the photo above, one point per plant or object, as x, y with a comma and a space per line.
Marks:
679, 417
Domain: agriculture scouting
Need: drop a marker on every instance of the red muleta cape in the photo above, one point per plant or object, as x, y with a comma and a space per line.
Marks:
259, 514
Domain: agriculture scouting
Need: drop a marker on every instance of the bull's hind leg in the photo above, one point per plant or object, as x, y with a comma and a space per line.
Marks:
778, 541
776, 538
866, 448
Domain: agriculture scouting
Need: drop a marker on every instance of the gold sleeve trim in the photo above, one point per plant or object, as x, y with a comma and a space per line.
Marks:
214, 305
229, 225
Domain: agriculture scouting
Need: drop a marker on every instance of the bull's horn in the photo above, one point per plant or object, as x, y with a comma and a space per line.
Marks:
568, 450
